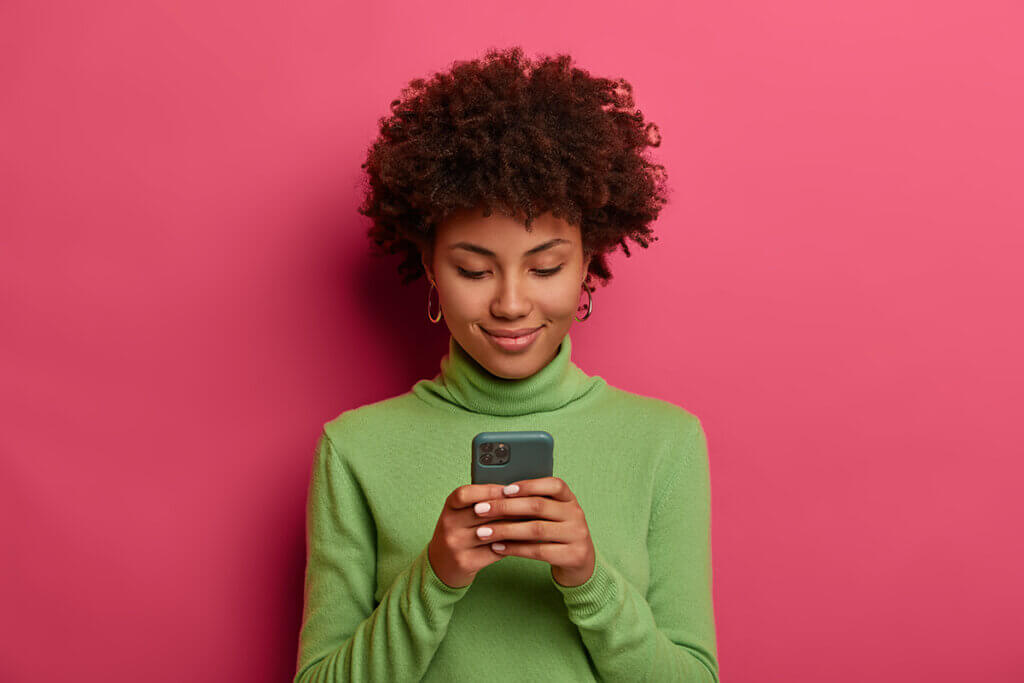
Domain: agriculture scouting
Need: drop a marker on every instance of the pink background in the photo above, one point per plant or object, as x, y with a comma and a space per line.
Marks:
186, 296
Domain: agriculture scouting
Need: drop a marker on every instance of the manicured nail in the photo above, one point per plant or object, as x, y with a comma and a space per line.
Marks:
511, 488
498, 546
481, 508
484, 531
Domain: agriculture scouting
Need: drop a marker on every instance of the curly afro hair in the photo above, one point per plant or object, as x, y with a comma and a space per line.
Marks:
520, 136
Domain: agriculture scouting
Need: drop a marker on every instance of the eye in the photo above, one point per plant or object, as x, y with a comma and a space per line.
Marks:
548, 272
478, 274
471, 274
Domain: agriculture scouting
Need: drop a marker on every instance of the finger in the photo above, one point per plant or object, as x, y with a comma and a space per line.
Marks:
468, 494
475, 559
538, 507
553, 487
556, 554
468, 518
536, 530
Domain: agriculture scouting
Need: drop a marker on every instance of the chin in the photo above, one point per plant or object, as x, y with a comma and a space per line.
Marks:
519, 366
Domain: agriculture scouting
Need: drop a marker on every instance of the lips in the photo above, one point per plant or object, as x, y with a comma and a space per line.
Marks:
512, 334
516, 344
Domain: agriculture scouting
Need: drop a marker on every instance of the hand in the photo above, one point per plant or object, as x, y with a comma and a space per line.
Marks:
557, 533
455, 552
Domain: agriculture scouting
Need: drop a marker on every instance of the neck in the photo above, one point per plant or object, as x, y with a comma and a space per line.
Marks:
465, 384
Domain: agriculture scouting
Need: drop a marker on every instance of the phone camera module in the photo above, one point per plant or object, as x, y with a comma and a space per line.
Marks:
494, 453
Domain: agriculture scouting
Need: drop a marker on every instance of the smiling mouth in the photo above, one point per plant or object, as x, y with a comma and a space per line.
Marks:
514, 344
527, 333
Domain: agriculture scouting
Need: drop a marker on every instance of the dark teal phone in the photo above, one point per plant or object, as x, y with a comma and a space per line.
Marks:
505, 457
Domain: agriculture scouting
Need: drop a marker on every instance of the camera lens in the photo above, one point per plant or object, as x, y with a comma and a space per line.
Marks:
486, 458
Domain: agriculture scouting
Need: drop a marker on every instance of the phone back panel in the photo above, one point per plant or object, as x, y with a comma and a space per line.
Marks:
530, 456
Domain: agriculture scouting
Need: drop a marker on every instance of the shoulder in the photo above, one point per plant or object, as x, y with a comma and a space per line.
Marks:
650, 410
355, 425
670, 435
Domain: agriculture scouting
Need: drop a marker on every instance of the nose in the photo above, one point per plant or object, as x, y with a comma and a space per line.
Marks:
511, 300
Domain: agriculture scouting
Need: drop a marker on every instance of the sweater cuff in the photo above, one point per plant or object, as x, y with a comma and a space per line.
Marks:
590, 596
435, 591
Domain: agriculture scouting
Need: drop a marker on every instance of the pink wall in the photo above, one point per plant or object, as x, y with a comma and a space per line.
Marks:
186, 296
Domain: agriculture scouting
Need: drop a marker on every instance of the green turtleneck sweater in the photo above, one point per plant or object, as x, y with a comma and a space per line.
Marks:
373, 608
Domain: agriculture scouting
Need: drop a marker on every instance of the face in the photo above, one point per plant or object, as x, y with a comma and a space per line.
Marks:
496, 278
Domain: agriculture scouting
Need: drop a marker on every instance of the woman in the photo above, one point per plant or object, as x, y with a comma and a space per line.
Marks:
505, 182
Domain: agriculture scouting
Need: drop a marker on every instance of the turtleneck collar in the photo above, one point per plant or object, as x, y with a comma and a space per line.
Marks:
465, 383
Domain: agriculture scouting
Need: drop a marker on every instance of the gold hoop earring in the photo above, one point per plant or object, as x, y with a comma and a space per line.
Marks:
590, 304
439, 314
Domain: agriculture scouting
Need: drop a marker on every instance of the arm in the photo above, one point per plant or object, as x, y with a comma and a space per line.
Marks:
344, 635
669, 635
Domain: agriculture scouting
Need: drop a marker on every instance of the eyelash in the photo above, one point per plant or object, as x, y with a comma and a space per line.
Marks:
478, 274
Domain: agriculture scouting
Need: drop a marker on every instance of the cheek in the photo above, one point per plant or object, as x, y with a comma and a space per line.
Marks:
464, 302
553, 300
561, 301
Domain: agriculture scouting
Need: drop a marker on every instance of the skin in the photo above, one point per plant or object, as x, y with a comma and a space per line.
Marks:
542, 520
512, 292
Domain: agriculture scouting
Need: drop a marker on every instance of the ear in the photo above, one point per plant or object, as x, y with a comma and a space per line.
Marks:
425, 260
586, 266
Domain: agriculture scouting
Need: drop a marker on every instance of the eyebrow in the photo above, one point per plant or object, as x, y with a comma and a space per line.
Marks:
476, 248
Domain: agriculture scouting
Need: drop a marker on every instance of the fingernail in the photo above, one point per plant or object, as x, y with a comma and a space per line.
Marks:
511, 488
481, 508
484, 531
498, 546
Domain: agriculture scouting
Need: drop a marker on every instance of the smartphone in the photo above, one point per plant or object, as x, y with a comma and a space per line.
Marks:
505, 457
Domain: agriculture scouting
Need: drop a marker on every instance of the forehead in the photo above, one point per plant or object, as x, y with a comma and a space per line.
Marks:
501, 233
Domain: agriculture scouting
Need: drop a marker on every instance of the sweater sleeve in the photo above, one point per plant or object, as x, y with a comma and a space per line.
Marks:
345, 635
669, 634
